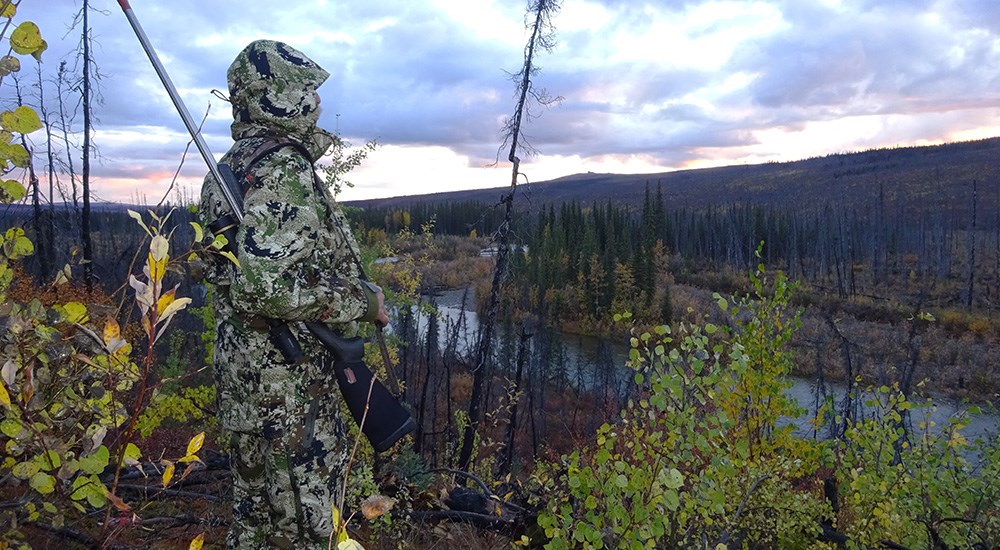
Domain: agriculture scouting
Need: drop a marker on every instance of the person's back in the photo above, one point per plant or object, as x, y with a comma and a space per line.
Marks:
297, 262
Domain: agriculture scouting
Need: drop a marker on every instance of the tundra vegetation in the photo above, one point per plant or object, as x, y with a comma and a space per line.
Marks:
107, 406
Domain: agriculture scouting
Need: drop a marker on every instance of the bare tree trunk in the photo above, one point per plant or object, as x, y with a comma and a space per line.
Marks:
507, 455
48, 239
543, 11
64, 123
88, 247
972, 250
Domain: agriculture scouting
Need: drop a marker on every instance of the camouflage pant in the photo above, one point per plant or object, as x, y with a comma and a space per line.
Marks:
287, 443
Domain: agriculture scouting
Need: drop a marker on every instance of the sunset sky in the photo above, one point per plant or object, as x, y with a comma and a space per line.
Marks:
647, 86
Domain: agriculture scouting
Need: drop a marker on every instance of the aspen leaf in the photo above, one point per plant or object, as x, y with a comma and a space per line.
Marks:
26, 38
12, 191
197, 542
73, 312
37, 54
10, 427
132, 454
9, 10
16, 244
9, 64
43, 483
15, 153
219, 242
22, 120
96, 462
111, 331
349, 544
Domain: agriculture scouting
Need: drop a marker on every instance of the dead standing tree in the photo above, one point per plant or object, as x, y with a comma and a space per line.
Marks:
539, 19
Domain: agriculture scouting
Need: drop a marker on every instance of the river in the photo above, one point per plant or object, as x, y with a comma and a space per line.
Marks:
582, 358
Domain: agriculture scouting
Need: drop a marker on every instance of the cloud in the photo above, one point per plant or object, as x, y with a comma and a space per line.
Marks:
660, 85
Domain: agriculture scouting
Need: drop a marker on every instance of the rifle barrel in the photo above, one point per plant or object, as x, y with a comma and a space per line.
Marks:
179, 104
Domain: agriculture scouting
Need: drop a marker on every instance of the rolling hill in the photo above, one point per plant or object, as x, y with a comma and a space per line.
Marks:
914, 181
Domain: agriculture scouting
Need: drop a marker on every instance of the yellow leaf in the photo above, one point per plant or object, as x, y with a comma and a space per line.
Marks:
112, 331
168, 473
73, 312
4, 396
199, 234
26, 38
195, 444
165, 300
157, 268
9, 11
376, 505
349, 544
335, 516
197, 542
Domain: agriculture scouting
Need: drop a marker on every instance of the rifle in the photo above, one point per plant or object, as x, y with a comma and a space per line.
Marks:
378, 414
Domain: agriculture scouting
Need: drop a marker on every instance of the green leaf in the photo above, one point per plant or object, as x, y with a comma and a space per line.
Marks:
48, 461
96, 462
73, 312
24, 470
132, 454
15, 153
199, 234
232, 258
26, 38
22, 120
43, 483
10, 427
11, 191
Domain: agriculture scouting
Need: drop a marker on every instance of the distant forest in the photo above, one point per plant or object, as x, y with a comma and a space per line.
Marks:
930, 238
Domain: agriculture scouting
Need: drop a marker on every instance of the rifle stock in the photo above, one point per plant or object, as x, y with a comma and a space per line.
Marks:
386, 421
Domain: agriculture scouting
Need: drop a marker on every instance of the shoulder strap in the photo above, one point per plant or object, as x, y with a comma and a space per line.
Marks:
267, 147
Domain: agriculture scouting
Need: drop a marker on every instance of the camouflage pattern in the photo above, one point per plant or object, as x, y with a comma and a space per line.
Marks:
297, 263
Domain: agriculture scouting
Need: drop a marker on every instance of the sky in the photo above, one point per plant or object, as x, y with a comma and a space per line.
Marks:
646, 87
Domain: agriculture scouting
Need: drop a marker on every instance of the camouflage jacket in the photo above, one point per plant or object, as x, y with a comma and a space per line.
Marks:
298, 258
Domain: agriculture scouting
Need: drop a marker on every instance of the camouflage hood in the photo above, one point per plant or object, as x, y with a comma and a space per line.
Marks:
272, 87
